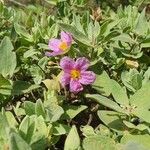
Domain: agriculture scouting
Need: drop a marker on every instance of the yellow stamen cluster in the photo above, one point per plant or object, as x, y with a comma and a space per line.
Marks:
75, 74
63, 46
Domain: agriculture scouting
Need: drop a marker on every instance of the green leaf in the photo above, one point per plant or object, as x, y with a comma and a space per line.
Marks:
139, 2
146, 43
53, 113
119, 93
124, 38
103, 84
141, 97
76, 34
11, 119
105, 101
99, 142
133, 145
5, 86
88, 131
140, 127
112, 119
31, 52
3, 81
26, 129
140, 102
41, 128
23, 32
77, 23
17, 143
40, 143
107, 26
39, 109
40, 136
37, 74
4, 124
93, 31
43, 46
142, 140
140, 29
72, 111
132, 79
142, 113
146, 76
22, 87
60, 129
7, 58
52, 84
29, 108
72, 141
34, 130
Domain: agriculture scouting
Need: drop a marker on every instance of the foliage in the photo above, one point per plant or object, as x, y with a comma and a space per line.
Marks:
37, 112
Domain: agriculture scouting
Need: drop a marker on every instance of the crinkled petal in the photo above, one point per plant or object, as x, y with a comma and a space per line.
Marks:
87, 77
82, 63
75, 86
53, 53
54, 44
67, 37
65, 79
67, 64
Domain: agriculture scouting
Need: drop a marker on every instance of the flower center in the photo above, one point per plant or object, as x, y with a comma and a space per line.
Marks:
75, 74
63, 46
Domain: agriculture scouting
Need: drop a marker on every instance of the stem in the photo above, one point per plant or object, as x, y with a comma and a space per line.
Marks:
17, 3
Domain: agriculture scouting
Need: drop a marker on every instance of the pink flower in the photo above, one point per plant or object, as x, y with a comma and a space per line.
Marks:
60, 46
75, 73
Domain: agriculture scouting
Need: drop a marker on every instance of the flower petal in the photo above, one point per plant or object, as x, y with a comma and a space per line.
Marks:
65, 79
67, 37
87, 77
75, 86
82, 63
67, 64
54, 45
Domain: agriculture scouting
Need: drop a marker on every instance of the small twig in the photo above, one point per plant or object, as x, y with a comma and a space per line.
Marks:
65, 92
95, 108
90, 119
33, 96
17, 3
